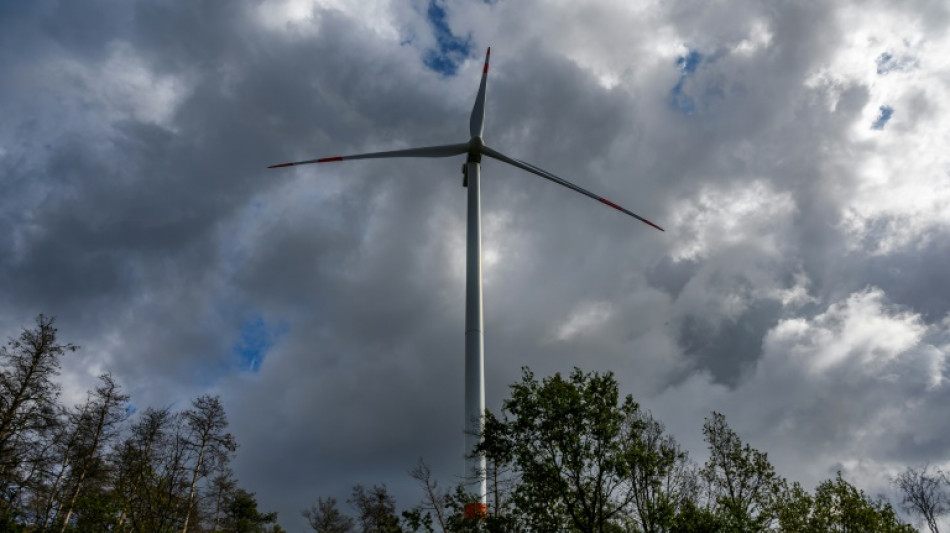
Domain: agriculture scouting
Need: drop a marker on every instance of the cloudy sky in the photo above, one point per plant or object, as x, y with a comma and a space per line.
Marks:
795, 152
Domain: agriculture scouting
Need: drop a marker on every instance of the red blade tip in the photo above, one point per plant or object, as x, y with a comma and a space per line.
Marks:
281, 165
329, 159
654, 225
618, 208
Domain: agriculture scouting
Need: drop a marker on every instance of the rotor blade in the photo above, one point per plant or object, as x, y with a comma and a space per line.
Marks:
547, 175
426, 151
476, 123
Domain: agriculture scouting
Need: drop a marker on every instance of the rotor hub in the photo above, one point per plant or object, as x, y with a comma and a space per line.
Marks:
475, 146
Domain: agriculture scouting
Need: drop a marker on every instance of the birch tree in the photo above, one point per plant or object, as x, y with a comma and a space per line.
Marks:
98, 426
208, 442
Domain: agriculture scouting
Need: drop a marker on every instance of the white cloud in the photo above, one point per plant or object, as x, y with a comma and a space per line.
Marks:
305, 15
584, 319
840, 390
751, 213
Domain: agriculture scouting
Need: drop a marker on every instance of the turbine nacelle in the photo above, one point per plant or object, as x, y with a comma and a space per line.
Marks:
475, 146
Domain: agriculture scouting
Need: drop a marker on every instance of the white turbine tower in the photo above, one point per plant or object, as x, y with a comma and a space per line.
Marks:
474, 335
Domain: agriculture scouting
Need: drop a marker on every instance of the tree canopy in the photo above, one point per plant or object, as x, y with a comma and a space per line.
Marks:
565, 453
98, 467
568, 453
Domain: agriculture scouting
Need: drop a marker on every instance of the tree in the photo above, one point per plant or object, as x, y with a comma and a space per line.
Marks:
376, 509
324, 517
925, 493
435, 500
744, 486
840, 507
151, 473
693, 518
67, 469
242, 515
63, 444
573, 444
222, 488
96, 428
662, 479
97, 509
28, 405
209, 444
793, 509
504, 520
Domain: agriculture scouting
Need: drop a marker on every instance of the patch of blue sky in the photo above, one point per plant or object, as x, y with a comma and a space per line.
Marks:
886, 62
886, 112
255, 340
450, 49
687, 65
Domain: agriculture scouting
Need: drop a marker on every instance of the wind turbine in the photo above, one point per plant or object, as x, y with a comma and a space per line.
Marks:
474, 336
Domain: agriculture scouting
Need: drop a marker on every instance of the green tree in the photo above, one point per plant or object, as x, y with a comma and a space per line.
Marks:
836, 506
97, 509
662, 479
574, 446
744, 487
793, 509
841, 507
505, 520
693, 518
242, 515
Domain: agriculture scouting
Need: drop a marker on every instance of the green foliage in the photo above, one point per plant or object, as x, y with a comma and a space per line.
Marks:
841, 507
569, 440
836, 506
497, 521
97, 511
242, 515
417, 520
584, 459
566, 454
743, 482
695, 519
793, 509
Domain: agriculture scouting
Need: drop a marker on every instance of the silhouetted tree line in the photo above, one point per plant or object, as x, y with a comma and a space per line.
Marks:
568, 454
94, 467
565, 454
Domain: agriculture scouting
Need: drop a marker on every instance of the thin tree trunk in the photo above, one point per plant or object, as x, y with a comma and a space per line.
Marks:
194, 484
72, 501
48, 509
100, 425
217, 510
48, 515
